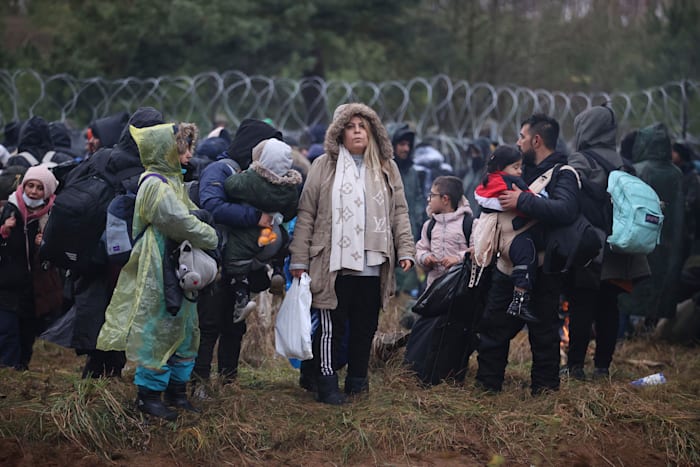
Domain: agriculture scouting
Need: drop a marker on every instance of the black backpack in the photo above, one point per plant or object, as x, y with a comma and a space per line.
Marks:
594, 199
79, 214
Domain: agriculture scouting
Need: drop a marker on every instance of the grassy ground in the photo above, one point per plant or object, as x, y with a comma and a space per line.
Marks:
48, 416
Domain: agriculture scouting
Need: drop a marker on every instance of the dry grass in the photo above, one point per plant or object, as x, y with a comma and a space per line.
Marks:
265, 417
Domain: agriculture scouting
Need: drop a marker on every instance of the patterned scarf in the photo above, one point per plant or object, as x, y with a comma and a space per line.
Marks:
360, 216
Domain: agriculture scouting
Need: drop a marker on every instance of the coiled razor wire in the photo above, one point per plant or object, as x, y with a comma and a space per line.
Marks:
450, 113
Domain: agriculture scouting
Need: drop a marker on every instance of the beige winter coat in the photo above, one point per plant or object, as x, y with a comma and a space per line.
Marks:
311, 245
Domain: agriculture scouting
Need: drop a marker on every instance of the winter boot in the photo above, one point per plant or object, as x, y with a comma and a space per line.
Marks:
574, 371
176, 396
307, 377
519, 307
328, 391
149, 402
355, 386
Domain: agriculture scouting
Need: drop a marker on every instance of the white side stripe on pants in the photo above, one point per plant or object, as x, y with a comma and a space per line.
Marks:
326, 351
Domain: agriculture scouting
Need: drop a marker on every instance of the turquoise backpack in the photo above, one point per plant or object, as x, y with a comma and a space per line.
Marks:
637, 217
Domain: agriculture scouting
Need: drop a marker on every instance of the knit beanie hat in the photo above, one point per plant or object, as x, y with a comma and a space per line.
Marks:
274, 155
45, 176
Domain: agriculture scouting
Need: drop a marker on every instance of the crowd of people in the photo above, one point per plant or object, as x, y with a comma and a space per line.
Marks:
366, 211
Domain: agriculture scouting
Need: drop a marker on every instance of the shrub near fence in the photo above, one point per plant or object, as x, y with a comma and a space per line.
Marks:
453, 111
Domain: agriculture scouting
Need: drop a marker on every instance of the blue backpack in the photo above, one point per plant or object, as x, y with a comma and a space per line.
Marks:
637, 217
118, 238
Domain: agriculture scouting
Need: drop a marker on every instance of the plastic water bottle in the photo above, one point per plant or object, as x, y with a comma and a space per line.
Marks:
651, 380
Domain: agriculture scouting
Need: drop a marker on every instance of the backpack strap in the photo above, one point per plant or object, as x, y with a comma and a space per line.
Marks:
48, 157
27, 156
431, 226
467, 221
154, 175
162, 179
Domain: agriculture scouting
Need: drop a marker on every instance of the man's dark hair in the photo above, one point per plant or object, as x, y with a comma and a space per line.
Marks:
546, 127
450, 186
684, 151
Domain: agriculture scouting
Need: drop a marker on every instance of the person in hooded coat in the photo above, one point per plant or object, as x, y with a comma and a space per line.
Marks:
105, 132
655, 297
93, 292
216, 303
163, 346
11, 132
402, 140
478, 152
593, 291
21, 224
34, 145
352, 229
684, 158
270, 185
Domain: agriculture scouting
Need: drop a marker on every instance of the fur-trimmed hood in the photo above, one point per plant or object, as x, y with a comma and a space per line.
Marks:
343, 114
292, 177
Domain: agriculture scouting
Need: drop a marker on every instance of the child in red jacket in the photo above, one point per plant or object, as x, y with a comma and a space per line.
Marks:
504, 169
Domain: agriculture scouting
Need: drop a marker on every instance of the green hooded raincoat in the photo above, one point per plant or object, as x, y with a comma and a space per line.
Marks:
136, 319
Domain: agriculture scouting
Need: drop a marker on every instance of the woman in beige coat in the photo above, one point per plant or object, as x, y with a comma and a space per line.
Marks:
352, 228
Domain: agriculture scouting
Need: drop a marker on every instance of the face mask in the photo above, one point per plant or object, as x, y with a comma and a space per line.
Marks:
32, 203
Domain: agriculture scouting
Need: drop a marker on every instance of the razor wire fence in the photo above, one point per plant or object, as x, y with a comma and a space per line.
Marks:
447, 111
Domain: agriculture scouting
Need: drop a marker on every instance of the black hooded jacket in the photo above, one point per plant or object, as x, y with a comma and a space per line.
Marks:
34, 138
110, 129
249, 134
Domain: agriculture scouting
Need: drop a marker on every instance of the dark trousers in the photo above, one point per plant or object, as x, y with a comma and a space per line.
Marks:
10, 350
359, 302
587, 307
523, 255
28, 326
215, 309
104, 363
497, 329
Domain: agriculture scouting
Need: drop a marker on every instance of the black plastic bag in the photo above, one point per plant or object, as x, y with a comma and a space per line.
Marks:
436, 299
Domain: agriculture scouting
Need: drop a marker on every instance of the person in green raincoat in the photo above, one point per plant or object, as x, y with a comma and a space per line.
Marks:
163, 346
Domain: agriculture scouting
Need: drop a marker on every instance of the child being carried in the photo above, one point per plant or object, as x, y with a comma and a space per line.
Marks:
271, 186
504, 169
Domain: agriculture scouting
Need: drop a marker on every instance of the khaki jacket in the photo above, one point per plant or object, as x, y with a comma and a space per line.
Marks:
311, 245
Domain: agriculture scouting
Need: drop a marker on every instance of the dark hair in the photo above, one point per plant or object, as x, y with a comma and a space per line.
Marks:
500, 158
684, 151
546, 127
451, 186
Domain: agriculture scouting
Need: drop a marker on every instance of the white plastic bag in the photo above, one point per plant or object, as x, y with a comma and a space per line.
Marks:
293, 324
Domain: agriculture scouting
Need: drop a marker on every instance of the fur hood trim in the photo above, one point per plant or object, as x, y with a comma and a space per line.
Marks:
342, 116
292, 177
186, 137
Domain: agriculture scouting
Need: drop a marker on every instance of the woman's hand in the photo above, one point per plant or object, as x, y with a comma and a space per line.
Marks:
38, 238
265, 220
297, 272
406, 264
